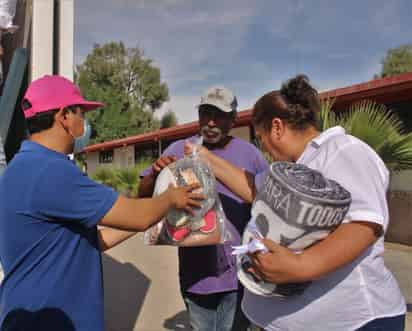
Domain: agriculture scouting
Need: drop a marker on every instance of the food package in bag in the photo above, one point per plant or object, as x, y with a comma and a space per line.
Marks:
296, 207
179, 228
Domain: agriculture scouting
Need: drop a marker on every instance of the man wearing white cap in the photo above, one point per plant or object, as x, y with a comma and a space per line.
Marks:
208, 279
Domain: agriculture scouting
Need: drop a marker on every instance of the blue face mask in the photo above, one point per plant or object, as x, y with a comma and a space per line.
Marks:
81, 142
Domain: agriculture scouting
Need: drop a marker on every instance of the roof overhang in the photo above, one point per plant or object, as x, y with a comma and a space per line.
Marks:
385, 90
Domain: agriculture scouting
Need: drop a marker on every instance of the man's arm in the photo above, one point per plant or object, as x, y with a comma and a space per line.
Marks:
139, 214
146, 186
109, 237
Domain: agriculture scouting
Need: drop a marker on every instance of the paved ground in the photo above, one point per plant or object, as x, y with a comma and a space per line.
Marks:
142, 288
399, 259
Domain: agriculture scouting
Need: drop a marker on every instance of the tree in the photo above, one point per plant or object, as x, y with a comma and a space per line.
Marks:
129, 85
397, 60
380, 128
168, 120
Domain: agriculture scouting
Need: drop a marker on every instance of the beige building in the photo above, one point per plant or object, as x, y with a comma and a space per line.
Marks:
396, 92
124, 153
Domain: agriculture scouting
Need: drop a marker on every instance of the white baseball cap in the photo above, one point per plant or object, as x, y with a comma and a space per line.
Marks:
220, 97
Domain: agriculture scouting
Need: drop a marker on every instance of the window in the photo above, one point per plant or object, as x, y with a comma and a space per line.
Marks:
106, 156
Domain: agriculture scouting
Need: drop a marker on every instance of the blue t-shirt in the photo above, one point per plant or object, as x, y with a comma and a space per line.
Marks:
212, 269
49, 211
2, 158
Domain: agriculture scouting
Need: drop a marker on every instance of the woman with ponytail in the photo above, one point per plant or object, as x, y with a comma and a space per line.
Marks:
350, 287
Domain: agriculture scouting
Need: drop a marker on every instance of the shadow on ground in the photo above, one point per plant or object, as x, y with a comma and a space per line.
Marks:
178, 322
125, 289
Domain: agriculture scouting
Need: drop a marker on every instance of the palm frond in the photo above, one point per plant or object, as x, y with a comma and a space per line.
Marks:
397, 154
372, 123
377, 126
328, 118
128, 179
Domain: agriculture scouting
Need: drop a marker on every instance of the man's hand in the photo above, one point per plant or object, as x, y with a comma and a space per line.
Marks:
183, 198
280, 265
161, 163
147, 183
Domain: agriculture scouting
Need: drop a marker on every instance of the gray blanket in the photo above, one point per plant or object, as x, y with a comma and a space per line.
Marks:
296, 207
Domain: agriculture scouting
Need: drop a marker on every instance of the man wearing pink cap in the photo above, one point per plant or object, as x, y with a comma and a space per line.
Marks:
49, 211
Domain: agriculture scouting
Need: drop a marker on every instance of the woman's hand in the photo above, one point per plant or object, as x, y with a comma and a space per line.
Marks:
280, 265
189, 148
239, 181
341, 247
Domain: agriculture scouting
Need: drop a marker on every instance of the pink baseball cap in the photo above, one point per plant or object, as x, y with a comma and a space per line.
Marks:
53, 92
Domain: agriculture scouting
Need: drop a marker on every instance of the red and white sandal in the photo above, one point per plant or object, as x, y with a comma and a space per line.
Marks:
210, 222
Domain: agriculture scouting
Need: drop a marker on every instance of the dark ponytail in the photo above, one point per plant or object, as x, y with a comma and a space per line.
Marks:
297, 103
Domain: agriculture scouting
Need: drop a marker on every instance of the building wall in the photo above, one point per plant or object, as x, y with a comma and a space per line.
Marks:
123, 157
401, 181
400, 208
242, 132
400, 213
92, 160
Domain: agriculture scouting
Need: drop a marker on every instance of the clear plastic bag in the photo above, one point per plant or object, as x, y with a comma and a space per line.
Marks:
179, 228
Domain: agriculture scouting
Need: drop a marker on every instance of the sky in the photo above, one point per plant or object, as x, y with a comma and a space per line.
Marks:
249, 46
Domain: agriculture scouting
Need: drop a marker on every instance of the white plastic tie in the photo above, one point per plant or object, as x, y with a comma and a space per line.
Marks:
253, 246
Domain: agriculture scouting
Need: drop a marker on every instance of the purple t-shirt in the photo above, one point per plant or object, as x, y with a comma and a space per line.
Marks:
212, 269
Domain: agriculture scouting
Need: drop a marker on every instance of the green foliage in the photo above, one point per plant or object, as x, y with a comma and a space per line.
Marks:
327, 116
128, 179
380, 128
125, 180
168, 120
397, 60
106, 176
80, 160
129, 85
